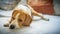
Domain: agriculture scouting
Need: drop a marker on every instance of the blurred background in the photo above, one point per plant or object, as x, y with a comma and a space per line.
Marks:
50, 7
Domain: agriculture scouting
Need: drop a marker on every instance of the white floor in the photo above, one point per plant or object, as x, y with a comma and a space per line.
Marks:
37, 26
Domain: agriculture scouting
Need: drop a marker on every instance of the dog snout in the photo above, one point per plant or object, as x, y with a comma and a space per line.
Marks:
12, 27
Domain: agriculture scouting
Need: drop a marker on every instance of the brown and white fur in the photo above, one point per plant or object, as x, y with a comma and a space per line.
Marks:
22, 16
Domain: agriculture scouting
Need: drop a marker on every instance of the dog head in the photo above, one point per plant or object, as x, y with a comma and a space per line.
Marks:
19, 19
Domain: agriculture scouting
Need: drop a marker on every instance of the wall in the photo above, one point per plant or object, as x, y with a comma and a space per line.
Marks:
43, 6
57, 7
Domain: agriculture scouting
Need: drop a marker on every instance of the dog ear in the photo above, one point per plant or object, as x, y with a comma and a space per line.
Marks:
28, 20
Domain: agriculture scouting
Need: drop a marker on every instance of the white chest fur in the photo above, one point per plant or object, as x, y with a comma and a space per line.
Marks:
25, 8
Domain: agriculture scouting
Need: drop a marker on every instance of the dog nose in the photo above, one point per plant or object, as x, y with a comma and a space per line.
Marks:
12, 27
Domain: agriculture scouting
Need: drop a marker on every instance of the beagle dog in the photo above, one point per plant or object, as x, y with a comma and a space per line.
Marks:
22, 16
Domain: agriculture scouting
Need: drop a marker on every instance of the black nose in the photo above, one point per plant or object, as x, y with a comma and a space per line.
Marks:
12, 27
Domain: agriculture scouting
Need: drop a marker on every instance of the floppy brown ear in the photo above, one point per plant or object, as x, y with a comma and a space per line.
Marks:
28, 20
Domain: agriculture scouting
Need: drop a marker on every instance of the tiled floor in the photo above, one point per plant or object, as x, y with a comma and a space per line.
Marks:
37, 26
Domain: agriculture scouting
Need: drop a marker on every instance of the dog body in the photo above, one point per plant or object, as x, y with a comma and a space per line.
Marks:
22, 16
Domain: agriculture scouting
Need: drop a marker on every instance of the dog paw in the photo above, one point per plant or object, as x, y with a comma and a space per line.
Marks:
45, 19
6, 25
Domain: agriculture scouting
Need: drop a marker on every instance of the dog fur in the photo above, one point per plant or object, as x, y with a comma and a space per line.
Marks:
22, 16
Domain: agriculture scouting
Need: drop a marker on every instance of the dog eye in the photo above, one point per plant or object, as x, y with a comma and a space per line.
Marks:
19, 20
13, 18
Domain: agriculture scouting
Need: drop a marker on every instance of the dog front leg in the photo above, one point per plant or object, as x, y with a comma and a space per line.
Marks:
7, 24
